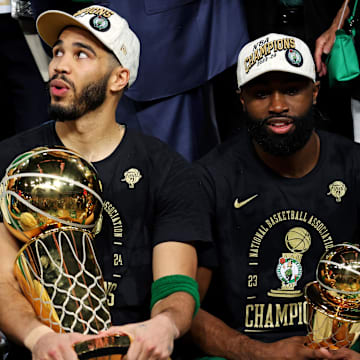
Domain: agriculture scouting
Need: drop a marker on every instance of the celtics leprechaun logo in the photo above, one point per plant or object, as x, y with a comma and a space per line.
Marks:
289, 269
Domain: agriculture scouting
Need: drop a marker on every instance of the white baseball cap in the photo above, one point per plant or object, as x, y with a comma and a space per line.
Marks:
108, 27
274, 52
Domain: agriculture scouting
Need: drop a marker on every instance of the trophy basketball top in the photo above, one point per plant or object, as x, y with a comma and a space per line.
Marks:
338, 274
47, 188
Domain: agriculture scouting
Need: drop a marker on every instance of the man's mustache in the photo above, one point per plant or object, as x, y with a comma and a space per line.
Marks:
63, 78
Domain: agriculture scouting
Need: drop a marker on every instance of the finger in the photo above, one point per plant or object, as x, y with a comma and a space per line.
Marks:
322, 353
51, 356
158, 355
159, 352
317, 55
324, 70
148, 353
345, 353
149, 350
134, 350
318, 62
328, 46
77, 337
119, 330
54, 355
68, 354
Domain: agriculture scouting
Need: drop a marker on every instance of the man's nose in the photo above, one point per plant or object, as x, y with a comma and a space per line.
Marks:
278, 103
60, 65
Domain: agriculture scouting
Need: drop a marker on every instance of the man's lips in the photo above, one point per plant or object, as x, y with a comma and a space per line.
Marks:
280, 125
58, 87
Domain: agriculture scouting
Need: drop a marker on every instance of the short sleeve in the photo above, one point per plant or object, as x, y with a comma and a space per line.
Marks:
207, 256
180, 211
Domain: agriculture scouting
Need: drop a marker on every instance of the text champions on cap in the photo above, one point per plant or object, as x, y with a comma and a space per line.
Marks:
265, 48
94, 11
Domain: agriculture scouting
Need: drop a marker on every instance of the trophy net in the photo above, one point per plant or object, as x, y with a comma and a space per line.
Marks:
331, 333
59, 274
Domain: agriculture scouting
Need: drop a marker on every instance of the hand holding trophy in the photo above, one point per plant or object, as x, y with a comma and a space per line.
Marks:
334, 299
51, 201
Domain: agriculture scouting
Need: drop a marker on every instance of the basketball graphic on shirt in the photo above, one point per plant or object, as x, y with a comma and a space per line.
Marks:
298, 240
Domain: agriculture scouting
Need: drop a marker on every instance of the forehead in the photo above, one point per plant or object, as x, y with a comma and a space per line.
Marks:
76, 35
278, 79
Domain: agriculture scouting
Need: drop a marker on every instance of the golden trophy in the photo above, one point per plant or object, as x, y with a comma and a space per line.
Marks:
51, 200
334, 299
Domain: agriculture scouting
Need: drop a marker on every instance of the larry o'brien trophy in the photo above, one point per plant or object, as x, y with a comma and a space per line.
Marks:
51, 201
334, 299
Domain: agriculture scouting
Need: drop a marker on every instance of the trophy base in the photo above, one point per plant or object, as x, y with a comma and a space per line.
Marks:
112, 347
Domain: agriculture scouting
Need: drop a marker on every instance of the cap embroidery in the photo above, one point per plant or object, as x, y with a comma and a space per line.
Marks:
94, 10
100, 23
294, 57
267, 49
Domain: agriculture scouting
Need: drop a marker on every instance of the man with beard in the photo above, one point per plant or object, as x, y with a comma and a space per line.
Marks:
272, 209
150, 223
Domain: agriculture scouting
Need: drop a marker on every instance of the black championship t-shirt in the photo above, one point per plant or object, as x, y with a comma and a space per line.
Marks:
271, 231
150, 196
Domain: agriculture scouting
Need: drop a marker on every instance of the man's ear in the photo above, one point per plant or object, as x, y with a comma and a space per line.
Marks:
316, 89
241, 97
119, 79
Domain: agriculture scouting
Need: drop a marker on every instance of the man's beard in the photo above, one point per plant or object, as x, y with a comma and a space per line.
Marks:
282, 144
90, 98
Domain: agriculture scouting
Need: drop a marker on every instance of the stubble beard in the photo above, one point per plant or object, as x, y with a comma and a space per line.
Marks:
90, 98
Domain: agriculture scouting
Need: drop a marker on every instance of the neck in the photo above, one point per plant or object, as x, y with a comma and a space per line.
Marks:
296, 165
94, 136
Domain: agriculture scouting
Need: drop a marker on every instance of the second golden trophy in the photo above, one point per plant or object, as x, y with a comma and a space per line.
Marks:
334, 299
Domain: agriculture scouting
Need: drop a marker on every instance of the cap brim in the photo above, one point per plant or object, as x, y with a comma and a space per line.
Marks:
280, 69
50, 24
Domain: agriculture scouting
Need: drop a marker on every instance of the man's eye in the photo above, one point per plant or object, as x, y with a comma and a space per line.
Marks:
292, 91
58, 52
82, 55
261, 94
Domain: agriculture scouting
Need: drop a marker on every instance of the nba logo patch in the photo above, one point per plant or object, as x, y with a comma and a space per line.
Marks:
337, 189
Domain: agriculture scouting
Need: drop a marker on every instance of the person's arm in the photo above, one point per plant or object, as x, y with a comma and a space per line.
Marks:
325, 41
174, 258
18, 320
171, 316
216, 338
17, 317
211, 334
